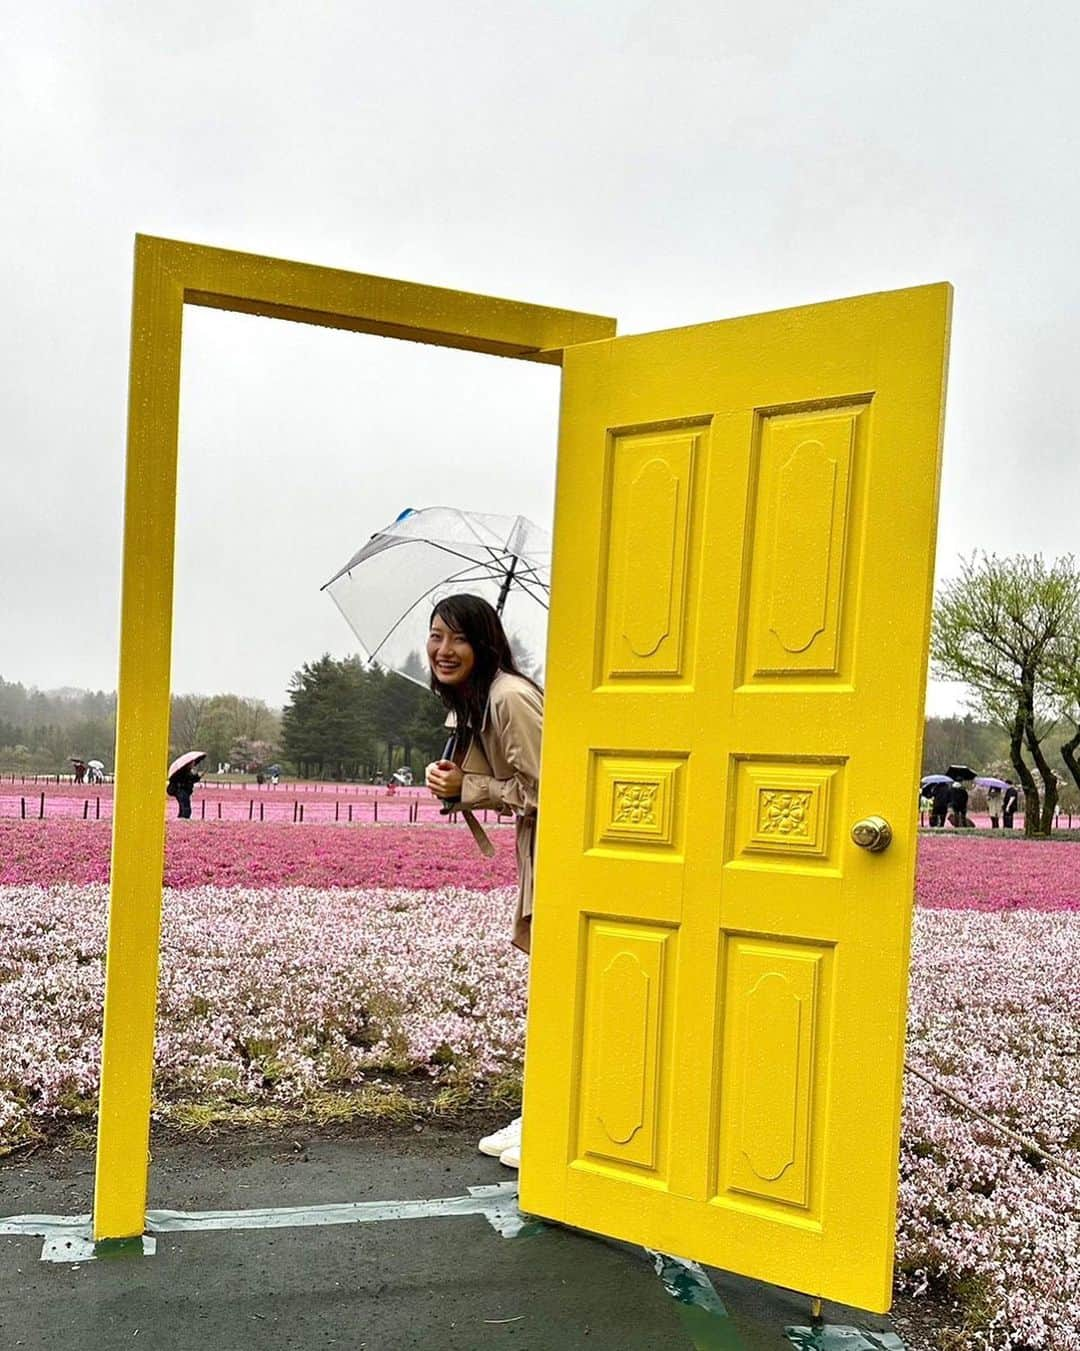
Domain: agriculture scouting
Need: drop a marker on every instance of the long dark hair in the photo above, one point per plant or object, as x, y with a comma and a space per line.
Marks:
478, 622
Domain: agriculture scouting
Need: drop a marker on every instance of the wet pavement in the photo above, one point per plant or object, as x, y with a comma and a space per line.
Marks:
451, 1282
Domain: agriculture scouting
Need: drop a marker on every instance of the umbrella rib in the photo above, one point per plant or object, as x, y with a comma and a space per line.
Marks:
431, 543
461, 575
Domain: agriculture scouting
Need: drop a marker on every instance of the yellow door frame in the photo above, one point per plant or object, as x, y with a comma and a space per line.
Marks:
169, 275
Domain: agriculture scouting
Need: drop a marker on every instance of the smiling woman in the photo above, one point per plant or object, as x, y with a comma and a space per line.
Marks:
497, 715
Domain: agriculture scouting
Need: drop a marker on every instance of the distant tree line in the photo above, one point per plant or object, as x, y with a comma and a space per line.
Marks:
342, 721
964, 740
39, 731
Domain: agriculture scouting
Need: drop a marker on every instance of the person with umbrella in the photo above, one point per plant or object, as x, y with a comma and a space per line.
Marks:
1008, 804
958, 796
497, 714
182, 780
940, 792
994, 789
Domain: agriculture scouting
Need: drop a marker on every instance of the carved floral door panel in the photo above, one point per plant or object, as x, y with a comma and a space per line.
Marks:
744, 549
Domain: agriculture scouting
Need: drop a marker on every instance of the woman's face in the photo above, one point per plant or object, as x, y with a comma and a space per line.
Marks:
449, 653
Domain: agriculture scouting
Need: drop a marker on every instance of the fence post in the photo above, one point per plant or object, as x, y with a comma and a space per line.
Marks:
41, 808
219, 811
202, 813
22, 807
337, 810
97, 812
350, 813
86, 809
260, 811
376, 805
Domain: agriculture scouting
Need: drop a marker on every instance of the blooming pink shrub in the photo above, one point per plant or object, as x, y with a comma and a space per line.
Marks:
954, 872
993, 1016
983, 873
247, 854
263, 994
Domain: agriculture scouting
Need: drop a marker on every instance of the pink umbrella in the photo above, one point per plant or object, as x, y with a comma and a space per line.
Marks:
183, 761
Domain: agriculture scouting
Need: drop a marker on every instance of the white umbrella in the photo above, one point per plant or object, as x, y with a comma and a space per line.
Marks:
95, 764
188, 759
387, 589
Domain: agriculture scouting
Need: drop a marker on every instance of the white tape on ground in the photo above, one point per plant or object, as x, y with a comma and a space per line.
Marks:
69, 1238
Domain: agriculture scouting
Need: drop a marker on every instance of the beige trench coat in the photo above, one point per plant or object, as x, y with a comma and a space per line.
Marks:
502, 774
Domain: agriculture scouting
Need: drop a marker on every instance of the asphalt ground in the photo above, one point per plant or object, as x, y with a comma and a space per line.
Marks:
448, 1282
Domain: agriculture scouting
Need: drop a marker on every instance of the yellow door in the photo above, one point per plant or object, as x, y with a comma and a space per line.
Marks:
744, 545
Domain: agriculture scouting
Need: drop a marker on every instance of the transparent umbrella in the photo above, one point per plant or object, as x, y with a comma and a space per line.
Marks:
387, 589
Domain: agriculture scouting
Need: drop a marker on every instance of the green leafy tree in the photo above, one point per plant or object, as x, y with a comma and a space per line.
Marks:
214, 723
1001, 626
328, 726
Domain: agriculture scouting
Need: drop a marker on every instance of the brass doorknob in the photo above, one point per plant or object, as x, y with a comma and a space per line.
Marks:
873, 833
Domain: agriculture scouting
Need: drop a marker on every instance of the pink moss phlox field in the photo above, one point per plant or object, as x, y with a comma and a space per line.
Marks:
994, 1016
247, 854
264, 994
954, 873
957, 873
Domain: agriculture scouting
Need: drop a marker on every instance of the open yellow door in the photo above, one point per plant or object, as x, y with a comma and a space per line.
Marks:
744, 547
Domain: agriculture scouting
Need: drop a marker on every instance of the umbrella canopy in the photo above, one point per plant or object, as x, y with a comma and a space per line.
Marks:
929, 780
76, 760
96, 764
185, 761
387, 589
960, 772
991, 783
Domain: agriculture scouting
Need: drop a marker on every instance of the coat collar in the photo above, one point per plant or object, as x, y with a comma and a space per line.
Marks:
500, 678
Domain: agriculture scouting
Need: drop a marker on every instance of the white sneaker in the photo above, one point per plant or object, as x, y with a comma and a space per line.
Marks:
511, 1158
496, 1144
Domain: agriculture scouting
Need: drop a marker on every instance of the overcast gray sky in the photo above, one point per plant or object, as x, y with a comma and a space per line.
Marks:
664, 163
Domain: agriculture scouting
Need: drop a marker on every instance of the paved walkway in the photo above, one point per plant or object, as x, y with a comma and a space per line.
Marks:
451, 1282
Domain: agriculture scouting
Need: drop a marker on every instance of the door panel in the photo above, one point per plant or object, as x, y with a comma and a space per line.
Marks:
744, 548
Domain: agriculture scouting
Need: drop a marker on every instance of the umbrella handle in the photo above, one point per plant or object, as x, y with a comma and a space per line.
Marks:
450, 804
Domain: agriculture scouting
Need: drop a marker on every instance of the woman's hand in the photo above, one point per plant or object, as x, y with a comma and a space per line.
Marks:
444, 778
